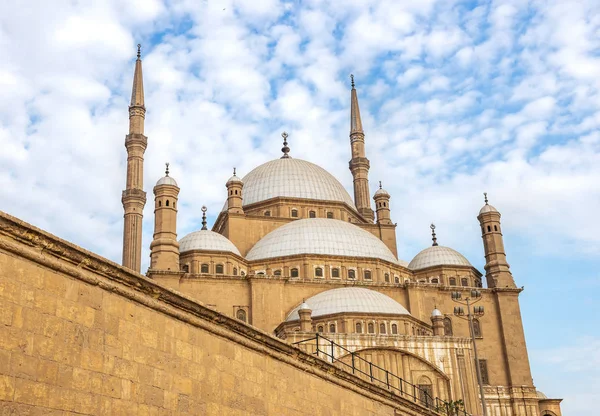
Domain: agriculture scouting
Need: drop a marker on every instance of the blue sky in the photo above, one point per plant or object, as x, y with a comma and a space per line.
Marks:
457, 98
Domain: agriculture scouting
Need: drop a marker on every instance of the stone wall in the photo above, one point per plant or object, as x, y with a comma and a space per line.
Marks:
82, 335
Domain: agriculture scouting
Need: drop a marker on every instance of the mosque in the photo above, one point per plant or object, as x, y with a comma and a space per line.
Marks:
294, 255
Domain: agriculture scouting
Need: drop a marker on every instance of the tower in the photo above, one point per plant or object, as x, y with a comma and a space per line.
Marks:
496, 267
134, 197
359, 164
437, 320
164, 249
382, 205
234, 194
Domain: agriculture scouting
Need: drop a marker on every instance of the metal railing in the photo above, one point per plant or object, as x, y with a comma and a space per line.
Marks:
324, 347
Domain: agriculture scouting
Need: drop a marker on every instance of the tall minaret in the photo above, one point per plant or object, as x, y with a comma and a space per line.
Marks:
134, 197
359, 164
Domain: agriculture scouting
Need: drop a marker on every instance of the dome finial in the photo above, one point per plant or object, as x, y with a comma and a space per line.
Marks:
204, 209
433, 237
167, 169
352, 80
234, 171
485, 198
139, 53
379, 184
285, 149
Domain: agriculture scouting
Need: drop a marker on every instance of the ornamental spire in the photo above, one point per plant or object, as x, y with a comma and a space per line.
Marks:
167, 169
285, 149
137, 94
204, 209
355, 121
433, 237
485, 198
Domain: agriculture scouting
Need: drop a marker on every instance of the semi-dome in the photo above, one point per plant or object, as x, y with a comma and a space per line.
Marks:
320, 236
293, 178
206, 240
351, 300
166, 180
438, 256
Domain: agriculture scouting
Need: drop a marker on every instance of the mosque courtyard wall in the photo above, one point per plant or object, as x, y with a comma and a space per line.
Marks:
81, 335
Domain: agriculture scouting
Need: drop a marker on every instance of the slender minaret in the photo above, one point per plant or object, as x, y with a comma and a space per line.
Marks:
134, 197
496, 267
359, 164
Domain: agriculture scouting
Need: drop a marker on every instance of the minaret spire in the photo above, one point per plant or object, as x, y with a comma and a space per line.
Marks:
433, 236
359, 164
134, 197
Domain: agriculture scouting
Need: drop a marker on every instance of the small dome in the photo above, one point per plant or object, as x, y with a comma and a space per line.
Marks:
233, 179
293, 178
208, 241
382, 192
304, 307
436, 312
541, 395
351, 300
438, 256
487, 208
320, 236
166, 180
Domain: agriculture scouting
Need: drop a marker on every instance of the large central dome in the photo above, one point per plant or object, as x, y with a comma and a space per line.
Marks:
320, 236
293, 178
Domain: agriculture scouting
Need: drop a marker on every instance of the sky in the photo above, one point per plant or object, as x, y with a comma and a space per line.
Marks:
457, 98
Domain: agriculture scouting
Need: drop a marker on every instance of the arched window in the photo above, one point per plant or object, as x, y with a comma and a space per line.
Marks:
396, 279
267, 213
235, 271
160, 203
453, 281
294, 272
318, 272
394, 329
332, 328
173, 204
330, 214
371, 328
435, 280
367, 274
485, 379
477, 328
204, 268
382, 328
241, 315
387, 277
464, 281
335, 272
425, 391
167, 204
242, 273
277, 272
489, 228
448, 327
236, 191
351, 274
185, 268
495, 228
294, 213
358, 328
219, 269
320, 329
312, 214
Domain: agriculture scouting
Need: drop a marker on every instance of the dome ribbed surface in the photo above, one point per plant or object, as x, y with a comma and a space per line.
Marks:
166, 180
350, 299
320, 236
438, 256
293, 178
208, 241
